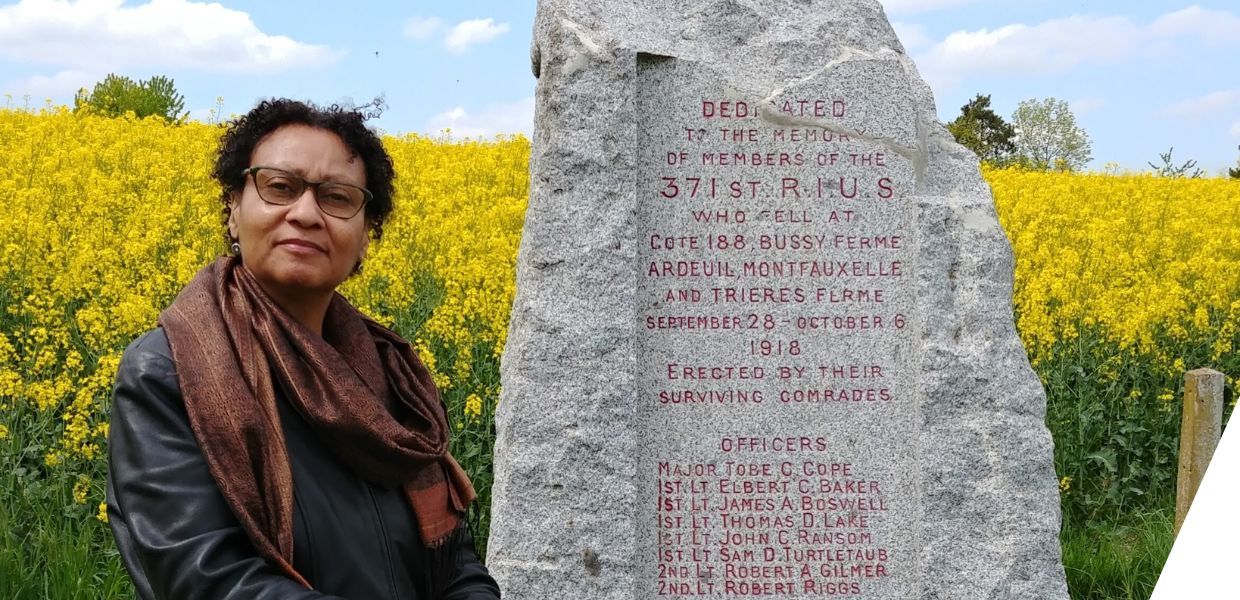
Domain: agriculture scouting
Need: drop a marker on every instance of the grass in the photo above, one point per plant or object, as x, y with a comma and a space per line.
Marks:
1119, 560
51, 547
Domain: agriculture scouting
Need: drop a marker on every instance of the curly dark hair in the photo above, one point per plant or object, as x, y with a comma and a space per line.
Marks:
243, 135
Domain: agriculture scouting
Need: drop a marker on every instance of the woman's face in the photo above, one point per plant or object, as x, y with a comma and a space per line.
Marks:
296, 251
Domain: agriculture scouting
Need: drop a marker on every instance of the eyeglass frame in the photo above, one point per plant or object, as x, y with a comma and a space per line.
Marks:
367, 195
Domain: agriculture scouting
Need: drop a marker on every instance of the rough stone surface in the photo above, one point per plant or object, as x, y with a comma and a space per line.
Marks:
840, 406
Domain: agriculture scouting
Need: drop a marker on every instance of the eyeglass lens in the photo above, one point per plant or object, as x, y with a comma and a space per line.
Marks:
281, 187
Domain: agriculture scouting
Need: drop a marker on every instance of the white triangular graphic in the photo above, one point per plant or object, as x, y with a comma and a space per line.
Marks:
1205, 559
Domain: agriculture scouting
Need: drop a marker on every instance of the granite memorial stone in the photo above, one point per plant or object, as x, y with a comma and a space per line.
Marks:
762, 343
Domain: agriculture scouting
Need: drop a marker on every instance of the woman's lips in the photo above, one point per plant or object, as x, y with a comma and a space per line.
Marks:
302, 246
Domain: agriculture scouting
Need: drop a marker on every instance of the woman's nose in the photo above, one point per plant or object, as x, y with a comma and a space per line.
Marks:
305, 209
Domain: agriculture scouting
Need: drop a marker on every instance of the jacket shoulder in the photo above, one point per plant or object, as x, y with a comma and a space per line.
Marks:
146, 376
147, 354
153, 343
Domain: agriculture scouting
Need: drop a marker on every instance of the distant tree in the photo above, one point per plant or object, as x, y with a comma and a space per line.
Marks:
1047, 136
117, 94
1170, 169
982, 130
1235, 173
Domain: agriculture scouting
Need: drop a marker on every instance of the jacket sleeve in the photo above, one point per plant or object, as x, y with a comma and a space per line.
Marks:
176, 535
465, 577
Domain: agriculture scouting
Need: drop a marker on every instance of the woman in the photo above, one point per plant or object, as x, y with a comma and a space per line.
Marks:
268, 441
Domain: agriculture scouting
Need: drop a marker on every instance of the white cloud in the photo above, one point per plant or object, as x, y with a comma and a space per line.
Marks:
514, 117
422, 28
107, 35
912, 35
1053, 46
905, 7
1203, 106
1063, 44
58, 85
473, 32
1235, 129
1088, 104
1211, 25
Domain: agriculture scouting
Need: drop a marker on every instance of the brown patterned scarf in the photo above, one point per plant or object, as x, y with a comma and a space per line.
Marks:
359, 386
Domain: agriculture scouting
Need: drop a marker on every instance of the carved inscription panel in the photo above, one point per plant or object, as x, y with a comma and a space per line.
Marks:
776, 291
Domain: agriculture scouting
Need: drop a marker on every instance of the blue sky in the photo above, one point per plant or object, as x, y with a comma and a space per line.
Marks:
1141, 76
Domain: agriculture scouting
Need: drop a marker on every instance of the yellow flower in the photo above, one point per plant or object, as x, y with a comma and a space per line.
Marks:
102, 515
473, 407
1089, 255
81, 489
1065, 484
4, 431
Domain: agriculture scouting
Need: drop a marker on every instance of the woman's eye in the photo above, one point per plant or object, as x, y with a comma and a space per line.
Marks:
279, 185
336, 197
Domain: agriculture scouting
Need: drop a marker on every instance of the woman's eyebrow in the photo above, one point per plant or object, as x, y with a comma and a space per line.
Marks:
300, 172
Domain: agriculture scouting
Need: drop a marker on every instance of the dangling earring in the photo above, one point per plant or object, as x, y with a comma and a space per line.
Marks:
357, 269
236, 249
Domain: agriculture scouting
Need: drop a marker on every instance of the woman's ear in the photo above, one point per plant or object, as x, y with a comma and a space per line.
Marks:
234, 201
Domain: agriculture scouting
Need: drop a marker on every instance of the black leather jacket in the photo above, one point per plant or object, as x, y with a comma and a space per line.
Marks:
180, 541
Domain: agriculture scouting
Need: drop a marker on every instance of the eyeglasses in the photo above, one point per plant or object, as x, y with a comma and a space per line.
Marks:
280, 187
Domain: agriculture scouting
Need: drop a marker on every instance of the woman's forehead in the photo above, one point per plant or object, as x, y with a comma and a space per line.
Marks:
307, 151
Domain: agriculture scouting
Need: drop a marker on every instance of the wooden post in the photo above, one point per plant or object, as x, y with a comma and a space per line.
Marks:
1200, 428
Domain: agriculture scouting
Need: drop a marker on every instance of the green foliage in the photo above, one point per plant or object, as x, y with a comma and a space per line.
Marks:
983, 131
1117, 559
50, 545
1170, 169
1235, 173
1115, 418
1047, 136
116, 95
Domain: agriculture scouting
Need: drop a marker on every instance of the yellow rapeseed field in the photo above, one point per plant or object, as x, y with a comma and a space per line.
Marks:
102, 221
1123, 282
1134, 257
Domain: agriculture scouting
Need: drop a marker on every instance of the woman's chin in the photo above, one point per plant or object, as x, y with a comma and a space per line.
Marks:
291, 282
